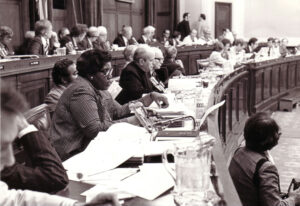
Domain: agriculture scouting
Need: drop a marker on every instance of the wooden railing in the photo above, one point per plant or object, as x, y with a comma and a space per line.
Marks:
32, 77
252, 88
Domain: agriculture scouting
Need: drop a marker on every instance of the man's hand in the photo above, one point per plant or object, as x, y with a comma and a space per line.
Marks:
160, 99
104, 199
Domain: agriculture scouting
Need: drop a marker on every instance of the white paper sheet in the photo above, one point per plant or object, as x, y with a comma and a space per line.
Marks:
149, 183
108, 150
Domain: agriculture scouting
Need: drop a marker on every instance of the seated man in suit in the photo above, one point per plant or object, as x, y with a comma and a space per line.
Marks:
102, 43
192, 39
135, 78
125, 38
91, 36
72, 41
128, 54
13, 125
165, 40
41, 43
148, 35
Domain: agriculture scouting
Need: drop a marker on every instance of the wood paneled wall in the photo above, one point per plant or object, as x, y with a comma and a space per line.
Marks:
15, 14
116, 14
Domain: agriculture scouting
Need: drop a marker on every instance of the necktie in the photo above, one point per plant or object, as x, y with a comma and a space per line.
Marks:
46, 47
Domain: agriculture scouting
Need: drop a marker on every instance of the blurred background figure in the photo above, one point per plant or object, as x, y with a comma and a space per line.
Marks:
29, 35
102, 42
41, 44
64, 31
203, 29
125, 38
72, 41
184, 26
165, 39
128, 54
148, 35
6, 35
91, 36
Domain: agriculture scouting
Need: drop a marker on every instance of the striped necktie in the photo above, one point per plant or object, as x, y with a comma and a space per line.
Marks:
46, 49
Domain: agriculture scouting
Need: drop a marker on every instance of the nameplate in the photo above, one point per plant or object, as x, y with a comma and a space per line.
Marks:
34, 63
1, 67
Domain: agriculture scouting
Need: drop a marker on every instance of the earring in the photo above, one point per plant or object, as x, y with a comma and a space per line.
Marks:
92, 77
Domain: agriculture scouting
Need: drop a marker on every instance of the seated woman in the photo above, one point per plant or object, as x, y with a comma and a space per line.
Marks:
128, 54
175, 41
6, 35
86, 108
64, 72
252, 170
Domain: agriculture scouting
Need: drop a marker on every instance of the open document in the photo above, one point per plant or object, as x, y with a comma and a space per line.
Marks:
108, 150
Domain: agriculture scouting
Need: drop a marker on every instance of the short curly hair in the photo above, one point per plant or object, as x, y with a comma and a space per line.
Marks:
5, 31
60, 70
78, 30
92, 61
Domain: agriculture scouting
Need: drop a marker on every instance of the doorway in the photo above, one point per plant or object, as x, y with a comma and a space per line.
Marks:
223, 12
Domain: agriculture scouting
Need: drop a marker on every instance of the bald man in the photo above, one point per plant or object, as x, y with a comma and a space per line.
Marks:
135, 78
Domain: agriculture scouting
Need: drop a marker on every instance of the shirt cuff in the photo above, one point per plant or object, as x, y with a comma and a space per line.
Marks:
29, 129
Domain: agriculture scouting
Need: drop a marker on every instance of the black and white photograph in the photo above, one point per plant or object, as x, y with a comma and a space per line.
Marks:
150, 102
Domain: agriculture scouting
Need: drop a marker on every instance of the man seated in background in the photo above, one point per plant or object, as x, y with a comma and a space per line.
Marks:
175, 41
283, 47
148, 35
165, 39
135, 78
13, 124
41, 43
269, 51
72, 41
64, 31
192, 39
91, 36
102, 42
125, 38
64, 72
157, 68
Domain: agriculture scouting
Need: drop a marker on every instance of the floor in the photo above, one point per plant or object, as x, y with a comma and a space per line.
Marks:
287, 153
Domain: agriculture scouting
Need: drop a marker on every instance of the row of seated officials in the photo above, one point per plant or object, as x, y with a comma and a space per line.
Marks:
84, 107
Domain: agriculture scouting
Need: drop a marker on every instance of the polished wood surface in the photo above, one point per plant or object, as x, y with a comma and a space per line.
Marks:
33, 76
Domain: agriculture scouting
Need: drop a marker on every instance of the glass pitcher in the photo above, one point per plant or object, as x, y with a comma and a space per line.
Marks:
192, 171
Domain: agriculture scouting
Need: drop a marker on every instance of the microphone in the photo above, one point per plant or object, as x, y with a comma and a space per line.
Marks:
166, 123
158, 85
134, 40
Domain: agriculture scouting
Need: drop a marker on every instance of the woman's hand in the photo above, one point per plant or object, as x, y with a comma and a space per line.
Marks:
160, 99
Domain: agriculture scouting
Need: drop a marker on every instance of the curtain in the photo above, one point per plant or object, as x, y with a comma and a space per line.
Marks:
84, 12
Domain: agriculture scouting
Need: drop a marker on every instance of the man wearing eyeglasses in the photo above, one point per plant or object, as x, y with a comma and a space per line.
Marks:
135, 78
86, 107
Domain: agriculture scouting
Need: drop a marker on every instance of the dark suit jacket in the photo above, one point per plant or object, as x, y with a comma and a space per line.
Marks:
36, 47
134, 82
67, 39
141, 40
266, 190
85, 44
184, 28
43, 172
120, 41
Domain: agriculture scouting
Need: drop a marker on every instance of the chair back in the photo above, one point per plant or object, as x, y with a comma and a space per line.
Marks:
39, 116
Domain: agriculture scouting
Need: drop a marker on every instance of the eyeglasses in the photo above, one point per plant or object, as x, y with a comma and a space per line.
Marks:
107, 71
159, 59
